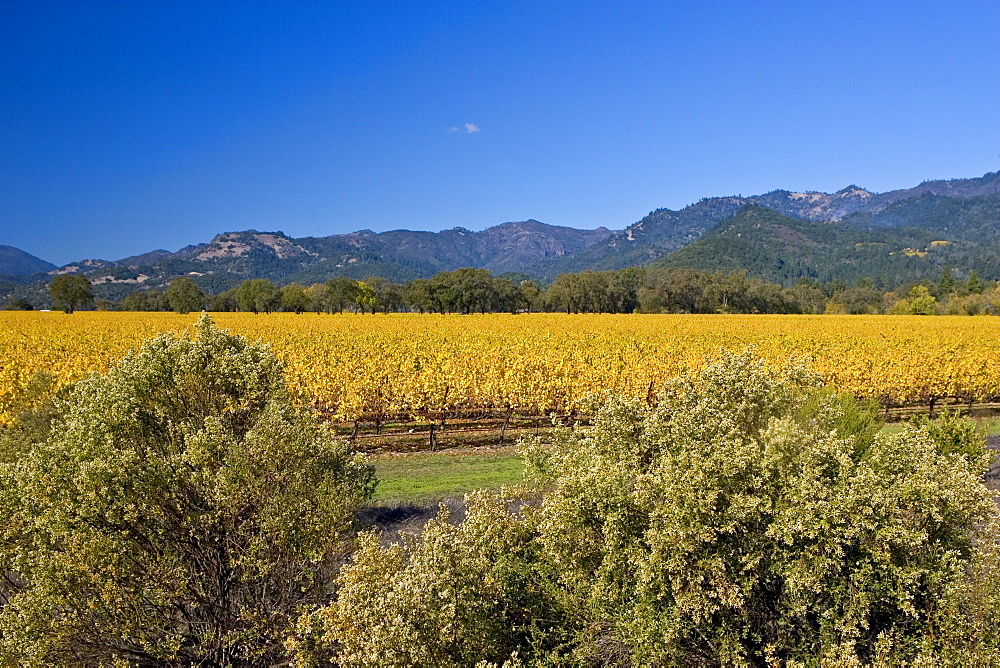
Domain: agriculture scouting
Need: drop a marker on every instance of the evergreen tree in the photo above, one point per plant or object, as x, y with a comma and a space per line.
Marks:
947, 284
975, 285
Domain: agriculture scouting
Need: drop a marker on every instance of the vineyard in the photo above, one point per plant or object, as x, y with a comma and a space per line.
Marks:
424, 367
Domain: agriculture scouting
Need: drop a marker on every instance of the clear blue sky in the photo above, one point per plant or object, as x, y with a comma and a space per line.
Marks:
130, 126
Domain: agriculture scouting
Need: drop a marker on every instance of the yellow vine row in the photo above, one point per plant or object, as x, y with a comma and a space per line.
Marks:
352, 365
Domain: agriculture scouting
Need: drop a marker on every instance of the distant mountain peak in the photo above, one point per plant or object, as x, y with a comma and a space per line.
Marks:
854, 190
239, 244
81, 267
15, 261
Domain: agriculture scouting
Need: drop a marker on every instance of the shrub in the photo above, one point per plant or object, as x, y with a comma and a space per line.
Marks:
179, 510
954, 434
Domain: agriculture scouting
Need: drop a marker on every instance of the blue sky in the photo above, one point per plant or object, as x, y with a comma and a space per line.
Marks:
130, 126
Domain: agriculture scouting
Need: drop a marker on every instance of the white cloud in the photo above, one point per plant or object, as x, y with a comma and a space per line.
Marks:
468, 128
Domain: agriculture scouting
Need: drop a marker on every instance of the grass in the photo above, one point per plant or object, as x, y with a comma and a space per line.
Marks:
990, 426
426, 477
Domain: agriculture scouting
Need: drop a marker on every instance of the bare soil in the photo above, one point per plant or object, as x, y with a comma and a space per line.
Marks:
993, 475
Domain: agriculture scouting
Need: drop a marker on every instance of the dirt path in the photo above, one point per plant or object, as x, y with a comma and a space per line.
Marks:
993, 475
392, 520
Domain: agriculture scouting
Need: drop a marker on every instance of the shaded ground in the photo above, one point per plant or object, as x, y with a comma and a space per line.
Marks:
993, 475
393, 521
409, 518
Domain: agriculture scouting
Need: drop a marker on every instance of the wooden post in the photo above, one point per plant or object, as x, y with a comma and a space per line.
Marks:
506, 421
433, 438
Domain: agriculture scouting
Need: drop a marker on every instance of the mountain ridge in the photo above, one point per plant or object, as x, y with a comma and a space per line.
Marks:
231, 257
664, 231
782, 249
536, 249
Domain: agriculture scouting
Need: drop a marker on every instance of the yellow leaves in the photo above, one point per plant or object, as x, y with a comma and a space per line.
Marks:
425, 365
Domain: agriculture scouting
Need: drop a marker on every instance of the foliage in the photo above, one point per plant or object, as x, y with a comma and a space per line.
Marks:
427, 365
257, 295
453, 596
918, 301
19, 304
183, 295
954, 434
341, 293
177, 510
294, 298
688, 291
727, 525
465, 290
141, 300
974, 285
70, 292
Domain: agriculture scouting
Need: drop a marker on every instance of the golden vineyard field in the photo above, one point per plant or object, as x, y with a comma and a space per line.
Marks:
353, 365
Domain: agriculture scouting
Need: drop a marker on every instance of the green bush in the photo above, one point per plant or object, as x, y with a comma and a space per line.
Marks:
954, 434
178, 510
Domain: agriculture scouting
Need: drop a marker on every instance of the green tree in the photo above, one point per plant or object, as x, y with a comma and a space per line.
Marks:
178, 511
506, 296
859, 301
531, 295
365, 297
388, 296
975, 285
807, 297
342, 292
921, 301
70, 292
947, 283
318, 295
224, 301
19, 304
142, 300
257, 294
566, 293
748, 518
419, 294
183, 295
294, 298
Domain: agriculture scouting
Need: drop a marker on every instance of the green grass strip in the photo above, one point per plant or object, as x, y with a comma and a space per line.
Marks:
425, 477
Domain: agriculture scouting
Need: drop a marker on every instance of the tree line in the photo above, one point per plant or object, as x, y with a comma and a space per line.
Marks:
631, 290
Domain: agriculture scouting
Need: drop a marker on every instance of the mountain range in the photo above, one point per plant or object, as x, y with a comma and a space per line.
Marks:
893, 237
